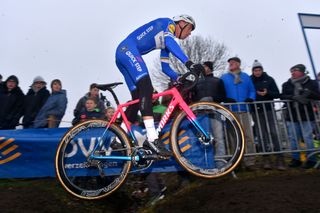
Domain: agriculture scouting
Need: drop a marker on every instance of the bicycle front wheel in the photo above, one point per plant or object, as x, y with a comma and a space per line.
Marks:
212, 156
81, 162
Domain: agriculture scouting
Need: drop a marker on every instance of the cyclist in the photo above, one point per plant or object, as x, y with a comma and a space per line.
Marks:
157, 34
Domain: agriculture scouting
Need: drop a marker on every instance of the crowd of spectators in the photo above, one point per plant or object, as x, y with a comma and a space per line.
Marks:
239, 91
53, 110
37, 109
41, 109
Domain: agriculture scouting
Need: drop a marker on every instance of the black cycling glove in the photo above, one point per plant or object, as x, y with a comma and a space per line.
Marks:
197, 68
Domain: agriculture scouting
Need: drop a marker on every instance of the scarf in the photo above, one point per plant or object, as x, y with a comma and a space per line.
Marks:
236, 75
298, 84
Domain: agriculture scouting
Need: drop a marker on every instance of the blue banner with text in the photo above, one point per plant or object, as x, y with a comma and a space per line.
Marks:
28, 153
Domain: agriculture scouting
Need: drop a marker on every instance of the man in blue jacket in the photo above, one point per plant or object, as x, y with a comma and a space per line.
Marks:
239, 88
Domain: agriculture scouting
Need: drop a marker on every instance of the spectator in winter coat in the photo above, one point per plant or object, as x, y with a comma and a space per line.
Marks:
93, 93
11, 103
53, 110
264, 115
238, 85
34, 100
239, 88
209, 88
300, 117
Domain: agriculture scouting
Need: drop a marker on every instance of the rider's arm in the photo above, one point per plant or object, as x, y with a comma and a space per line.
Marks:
164, 58
174, 48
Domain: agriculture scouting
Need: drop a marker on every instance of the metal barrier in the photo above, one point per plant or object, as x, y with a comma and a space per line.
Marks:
280, 126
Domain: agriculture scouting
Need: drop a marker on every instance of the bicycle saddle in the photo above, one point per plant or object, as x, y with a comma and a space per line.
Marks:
105, 87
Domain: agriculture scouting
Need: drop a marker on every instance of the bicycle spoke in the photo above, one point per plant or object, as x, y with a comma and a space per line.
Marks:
81, 162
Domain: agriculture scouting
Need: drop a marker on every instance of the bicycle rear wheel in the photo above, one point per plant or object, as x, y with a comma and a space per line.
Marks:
208, 158
92, 178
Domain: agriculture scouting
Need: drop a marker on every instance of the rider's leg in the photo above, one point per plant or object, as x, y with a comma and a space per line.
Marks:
152, 134
145, 90
128, 71
135, 72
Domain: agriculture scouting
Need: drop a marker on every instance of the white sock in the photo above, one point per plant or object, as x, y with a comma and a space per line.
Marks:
151, 130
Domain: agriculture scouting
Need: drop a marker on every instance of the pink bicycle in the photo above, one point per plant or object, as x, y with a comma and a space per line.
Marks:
95, 157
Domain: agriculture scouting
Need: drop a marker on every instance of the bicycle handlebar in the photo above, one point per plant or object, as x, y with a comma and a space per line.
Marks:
186, 83
183, 84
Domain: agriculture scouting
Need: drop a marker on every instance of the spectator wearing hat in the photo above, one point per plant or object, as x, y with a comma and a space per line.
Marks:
210, 88
264, 115
300, 117
11, 99
239, 88
34, 100
53, 110
93, 93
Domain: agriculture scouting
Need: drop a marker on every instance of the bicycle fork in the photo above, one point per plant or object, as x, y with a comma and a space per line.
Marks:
203, 136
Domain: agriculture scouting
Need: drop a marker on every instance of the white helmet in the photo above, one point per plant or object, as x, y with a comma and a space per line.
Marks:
185, 18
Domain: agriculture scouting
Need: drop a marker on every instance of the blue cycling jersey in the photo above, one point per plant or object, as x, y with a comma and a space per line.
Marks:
157, 34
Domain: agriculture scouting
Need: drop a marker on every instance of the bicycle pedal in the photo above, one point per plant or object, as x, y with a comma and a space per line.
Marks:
101, 172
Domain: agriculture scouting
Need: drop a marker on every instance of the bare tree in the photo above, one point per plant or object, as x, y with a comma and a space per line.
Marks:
198, 50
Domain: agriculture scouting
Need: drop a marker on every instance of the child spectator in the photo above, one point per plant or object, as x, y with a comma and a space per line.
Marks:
34, 100
91, 111
53, 110
109, 112
93, 93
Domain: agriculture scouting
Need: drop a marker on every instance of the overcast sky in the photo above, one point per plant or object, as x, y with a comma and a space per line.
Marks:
75, 40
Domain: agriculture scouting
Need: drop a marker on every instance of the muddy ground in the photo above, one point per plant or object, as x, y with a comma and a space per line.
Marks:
295, 190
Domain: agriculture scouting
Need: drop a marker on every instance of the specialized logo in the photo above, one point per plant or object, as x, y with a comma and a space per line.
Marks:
8, 150
165, 118
171, 28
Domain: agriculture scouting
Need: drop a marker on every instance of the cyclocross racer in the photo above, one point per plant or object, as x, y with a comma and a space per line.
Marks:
157, 34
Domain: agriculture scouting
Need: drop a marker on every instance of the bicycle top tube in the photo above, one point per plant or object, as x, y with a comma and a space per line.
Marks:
176, 99
172, 92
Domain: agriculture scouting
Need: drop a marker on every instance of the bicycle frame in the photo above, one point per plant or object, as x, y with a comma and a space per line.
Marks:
176, 100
